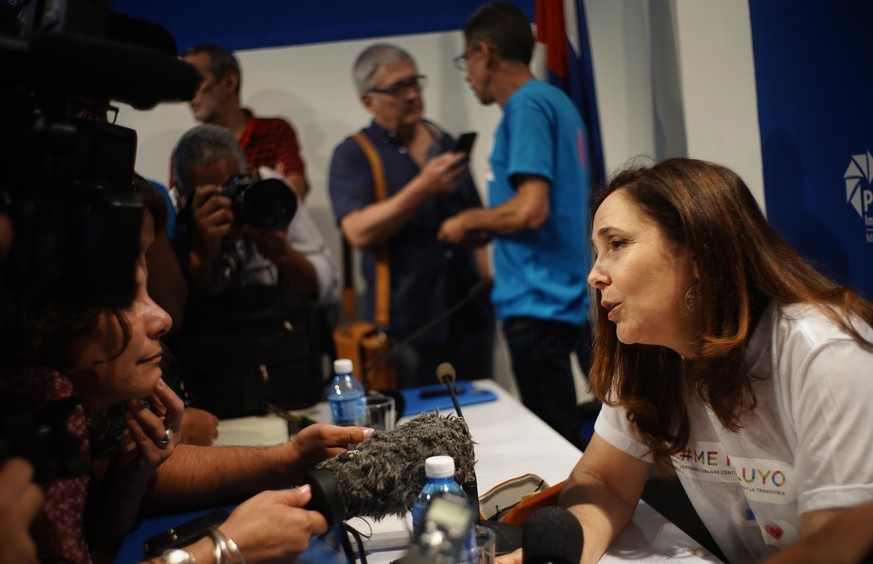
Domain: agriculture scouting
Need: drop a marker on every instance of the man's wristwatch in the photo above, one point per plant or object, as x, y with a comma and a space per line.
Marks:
177, 556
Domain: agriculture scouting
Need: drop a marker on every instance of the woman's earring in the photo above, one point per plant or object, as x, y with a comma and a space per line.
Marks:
692, 297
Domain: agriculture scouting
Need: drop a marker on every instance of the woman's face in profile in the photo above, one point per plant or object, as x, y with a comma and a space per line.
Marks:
642, 277
134, 372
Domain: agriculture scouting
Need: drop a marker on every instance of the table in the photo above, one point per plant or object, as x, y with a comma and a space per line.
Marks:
510, 442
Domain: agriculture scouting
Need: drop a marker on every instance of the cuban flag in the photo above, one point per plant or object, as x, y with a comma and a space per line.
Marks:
563, 30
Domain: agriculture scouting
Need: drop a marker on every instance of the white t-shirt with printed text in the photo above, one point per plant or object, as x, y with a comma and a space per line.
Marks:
805, 446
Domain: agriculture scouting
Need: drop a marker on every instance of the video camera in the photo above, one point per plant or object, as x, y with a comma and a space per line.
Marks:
66, 173
264, 203
66, 181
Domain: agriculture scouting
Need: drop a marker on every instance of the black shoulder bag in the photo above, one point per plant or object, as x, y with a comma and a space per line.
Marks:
253, 346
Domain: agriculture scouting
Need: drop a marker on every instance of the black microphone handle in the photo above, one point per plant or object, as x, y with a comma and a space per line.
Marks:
471, 488
326, 498
450, 386
384, 474
477, 289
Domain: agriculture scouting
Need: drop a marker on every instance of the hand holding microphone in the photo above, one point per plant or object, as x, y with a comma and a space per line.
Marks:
384, 474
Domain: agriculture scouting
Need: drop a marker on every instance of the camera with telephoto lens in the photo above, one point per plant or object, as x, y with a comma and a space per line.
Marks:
263, 203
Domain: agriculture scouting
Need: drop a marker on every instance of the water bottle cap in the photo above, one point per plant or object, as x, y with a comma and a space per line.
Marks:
342, 366
439, 467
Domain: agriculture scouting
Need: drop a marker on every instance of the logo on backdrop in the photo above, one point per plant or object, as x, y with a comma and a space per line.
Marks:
859, 190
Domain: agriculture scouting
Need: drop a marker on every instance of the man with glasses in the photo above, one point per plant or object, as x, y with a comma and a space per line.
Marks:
269, 142
426, 182
538, 191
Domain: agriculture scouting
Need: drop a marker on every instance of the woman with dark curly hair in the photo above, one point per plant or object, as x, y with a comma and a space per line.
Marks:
101, 363
99, 371
721, 356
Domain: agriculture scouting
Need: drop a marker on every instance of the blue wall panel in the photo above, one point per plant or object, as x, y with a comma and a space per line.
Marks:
815, 104
272, 23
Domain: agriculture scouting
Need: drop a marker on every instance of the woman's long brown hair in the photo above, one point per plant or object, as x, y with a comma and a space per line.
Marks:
744, 264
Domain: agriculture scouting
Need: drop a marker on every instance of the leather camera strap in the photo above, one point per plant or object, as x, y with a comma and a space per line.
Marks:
383, 267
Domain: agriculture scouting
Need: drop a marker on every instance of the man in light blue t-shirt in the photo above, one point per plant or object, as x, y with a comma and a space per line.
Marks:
538, 214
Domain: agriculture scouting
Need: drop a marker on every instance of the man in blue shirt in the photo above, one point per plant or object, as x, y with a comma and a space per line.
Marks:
427, 182
538, 191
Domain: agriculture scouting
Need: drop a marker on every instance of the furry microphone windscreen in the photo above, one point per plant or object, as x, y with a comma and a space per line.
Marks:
383, 475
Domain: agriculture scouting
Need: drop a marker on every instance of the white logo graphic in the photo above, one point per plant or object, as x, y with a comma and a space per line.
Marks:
859, 189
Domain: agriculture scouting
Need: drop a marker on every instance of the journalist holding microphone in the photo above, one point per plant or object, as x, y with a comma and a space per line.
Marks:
720, 355
103, 366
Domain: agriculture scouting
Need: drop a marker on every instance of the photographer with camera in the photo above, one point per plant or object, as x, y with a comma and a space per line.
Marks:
233, 245
260, 277
270, 142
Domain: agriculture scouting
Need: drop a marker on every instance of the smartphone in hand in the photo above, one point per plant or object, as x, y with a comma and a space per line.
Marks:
464, 143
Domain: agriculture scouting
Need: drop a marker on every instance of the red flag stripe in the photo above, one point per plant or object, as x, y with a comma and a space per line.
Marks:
551, 31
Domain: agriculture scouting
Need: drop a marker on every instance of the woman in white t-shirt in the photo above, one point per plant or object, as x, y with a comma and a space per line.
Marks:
721, 356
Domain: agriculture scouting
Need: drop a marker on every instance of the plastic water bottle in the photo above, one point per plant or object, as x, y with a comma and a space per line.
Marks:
346, 396
440, 472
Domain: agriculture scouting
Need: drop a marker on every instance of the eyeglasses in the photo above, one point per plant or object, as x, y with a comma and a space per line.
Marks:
402, 87
461, 62
94, 111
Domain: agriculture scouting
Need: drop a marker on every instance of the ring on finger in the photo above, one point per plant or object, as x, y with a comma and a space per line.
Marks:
165, 440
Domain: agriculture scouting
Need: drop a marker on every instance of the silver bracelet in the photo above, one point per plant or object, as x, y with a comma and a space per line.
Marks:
177, 556
234, 549
229, 549
220, 552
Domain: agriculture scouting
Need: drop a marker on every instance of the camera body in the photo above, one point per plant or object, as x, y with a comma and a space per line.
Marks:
262, 203
66, 187
75, 216
67, 183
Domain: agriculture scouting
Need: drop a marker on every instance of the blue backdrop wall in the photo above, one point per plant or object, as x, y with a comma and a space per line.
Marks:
815, 104
271, 23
